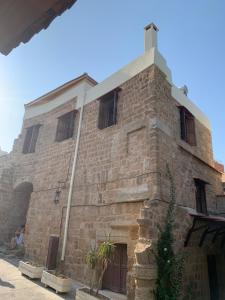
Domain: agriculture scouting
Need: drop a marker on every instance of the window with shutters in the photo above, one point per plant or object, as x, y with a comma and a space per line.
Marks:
108, 110
187, 125
200, 193
65, 127
31, 139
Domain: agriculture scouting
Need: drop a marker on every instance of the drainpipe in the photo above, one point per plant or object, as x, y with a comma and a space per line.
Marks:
72, 179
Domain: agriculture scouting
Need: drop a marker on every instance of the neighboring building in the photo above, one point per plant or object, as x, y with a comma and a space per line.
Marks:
103, 149
21, 20
2, 152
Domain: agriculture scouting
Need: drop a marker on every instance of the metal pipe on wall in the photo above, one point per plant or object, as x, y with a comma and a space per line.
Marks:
72, 178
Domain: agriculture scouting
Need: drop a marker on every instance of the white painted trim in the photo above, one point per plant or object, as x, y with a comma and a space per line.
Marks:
192, 107
137, 66
70, 94
117, 79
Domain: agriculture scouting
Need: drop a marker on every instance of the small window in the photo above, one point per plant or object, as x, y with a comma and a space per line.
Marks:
187, 124
31, 139
65, 127
200, 193
108, 110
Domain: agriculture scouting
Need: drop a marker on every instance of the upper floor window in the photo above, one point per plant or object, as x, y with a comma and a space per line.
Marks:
31, 139
200, 193
108, 110
187, 125
65, 127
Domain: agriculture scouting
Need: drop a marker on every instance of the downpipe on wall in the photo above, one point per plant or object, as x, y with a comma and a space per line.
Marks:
72, 179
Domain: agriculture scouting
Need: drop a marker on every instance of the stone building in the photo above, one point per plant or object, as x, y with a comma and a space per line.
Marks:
91, 160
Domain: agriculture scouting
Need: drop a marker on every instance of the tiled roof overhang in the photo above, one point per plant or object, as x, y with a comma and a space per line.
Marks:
20, 20
209, 225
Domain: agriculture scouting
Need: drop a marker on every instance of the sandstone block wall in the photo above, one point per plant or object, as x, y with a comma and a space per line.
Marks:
120, 185
186, 163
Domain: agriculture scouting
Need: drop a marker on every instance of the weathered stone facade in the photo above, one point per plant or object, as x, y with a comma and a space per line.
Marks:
120, 185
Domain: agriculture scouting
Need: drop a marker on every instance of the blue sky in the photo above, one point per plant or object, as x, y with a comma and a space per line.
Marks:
99, 37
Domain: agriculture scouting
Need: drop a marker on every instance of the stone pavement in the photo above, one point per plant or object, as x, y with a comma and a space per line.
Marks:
14, 286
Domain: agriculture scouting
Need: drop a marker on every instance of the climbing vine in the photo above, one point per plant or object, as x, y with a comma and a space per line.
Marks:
169, 264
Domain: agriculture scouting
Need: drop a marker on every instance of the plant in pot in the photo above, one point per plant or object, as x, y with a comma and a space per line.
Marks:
56, 280
53, 276
97, 260
31, 269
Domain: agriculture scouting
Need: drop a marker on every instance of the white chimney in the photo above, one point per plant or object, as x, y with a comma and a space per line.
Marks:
150, 36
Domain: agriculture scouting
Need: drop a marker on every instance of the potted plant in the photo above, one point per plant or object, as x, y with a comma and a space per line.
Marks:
58, 282
31, 269
97, 259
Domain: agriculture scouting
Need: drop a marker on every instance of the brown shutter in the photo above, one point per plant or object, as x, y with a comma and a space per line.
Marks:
100, 115
31, 139
108, 110
52, 252
71, 124
34, 137
191, 138
187, 126
60, 130
182, 123
115, 98
201, 205
65, 126
27, 140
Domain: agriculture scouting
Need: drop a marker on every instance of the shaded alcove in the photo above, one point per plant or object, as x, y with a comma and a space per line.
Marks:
20, 205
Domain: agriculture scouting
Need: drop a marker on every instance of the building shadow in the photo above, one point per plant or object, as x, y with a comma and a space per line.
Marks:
6, 284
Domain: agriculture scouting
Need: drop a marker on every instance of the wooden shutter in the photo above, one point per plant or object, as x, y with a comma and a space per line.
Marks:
108, 110
70, 126
27, 140
65, 126
187, 126
59, 130
52, 252
34, 138
31, 139
115, 98
191, 138
201, 205
182, 124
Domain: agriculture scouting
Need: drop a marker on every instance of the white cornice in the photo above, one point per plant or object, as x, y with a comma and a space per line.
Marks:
126, 73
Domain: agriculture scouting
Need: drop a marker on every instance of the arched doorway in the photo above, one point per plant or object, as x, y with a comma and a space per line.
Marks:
21, 200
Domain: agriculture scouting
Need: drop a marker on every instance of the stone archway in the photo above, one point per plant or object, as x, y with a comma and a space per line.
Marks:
21, 200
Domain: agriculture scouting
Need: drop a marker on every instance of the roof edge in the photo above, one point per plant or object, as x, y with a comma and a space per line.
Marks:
59, 89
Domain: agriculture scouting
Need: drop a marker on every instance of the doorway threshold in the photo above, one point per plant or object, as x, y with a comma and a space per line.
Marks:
112, 295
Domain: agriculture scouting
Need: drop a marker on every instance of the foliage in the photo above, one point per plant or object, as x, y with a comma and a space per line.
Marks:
105, 253
92, 262
170, 266
98, 259
92, 258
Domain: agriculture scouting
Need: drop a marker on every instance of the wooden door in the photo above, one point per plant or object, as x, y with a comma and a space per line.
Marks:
52, 252
115, 276
213, 280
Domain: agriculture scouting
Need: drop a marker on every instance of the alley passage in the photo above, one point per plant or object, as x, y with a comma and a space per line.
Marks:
14, 286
